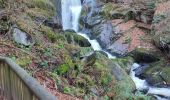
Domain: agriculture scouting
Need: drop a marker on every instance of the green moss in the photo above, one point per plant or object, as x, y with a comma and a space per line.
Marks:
125, 62
107, 8
63, 69
75, 38
106, 79
85, 50
49, 32
158, 18
39, 13
2, 3
42, 4
24, 61
67, 90
40, 8
158, 71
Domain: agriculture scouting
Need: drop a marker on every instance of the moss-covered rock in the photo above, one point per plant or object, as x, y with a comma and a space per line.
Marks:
115, 11
147, 55
107, 8
157, 74
161, 27
124, 86
76, 39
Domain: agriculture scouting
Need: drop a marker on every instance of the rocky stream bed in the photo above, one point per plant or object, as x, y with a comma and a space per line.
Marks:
91, 49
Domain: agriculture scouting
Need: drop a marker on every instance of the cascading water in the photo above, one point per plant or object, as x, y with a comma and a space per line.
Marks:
71, 10
143, 85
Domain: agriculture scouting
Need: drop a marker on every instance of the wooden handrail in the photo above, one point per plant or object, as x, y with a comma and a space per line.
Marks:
17, 84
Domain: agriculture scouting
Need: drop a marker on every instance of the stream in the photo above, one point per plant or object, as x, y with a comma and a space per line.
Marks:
71, 10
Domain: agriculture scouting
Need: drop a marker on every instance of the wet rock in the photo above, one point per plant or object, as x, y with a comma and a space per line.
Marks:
105, 36
139, 71
22, 37
92, 21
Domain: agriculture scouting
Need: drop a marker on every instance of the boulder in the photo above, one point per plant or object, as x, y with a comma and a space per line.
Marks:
128, 39
157, 74
22, 37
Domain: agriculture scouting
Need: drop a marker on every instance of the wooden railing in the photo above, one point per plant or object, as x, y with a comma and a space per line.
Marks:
17, 84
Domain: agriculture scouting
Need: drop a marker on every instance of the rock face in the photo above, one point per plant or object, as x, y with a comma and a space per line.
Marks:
103, 33
123, 33
161, 27
22, 37
157, 74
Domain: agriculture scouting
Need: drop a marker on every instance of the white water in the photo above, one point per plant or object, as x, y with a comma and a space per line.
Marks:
142, 84
71, 10
95, 45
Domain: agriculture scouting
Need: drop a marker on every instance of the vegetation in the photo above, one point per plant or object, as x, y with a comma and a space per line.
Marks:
65, 63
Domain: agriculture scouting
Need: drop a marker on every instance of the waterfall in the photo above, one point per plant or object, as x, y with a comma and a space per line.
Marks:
71, 10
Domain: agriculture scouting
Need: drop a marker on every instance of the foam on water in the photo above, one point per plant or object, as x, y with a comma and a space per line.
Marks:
96, 46
71, 10
142, 84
